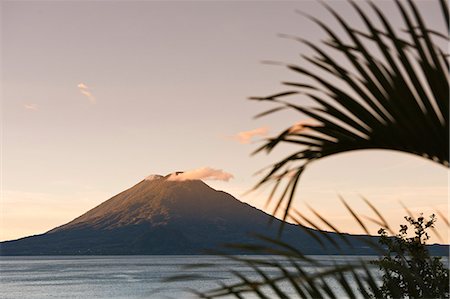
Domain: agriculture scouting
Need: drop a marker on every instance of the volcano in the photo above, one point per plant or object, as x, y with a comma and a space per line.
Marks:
163, 216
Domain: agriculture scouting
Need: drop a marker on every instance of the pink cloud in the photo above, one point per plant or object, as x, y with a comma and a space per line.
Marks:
204, 173
247, 136
300, 125
30, 106
84, 89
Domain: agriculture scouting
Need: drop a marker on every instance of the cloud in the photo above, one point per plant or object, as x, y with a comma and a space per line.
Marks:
204, 173
246, 136
153, 177
30, 106
300, 125
85, 90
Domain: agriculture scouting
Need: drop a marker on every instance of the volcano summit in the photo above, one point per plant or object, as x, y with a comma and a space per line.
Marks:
163, 216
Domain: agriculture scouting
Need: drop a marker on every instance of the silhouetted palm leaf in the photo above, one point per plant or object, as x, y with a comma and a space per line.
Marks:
396, 100
280, 270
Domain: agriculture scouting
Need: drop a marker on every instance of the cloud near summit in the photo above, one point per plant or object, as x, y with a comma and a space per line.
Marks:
204, 173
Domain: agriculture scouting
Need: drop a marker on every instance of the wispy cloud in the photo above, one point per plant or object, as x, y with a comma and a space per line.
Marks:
246, 137
85, 90
204, 173
30, 107
300, 125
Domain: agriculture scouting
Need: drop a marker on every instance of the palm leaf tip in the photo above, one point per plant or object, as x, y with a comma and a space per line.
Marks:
394, 98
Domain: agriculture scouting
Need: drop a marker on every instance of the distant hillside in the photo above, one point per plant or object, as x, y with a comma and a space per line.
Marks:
160, 216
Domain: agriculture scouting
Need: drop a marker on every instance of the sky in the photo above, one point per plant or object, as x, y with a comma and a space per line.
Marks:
98, 95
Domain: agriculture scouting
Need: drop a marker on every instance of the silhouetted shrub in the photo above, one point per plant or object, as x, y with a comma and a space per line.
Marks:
408, 269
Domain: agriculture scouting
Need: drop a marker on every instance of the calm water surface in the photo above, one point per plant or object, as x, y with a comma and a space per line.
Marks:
119, 276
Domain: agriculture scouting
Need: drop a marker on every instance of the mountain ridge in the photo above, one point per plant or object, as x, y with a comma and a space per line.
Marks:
159, 215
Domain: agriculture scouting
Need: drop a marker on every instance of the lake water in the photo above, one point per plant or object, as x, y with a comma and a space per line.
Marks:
120, 276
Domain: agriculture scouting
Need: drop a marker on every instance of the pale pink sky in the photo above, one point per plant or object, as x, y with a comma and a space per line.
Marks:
98, 95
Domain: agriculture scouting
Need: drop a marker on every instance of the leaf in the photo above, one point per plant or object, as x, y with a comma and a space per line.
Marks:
396, 98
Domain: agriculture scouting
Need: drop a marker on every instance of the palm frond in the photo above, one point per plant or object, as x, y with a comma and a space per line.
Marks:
394, 99
276, 269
